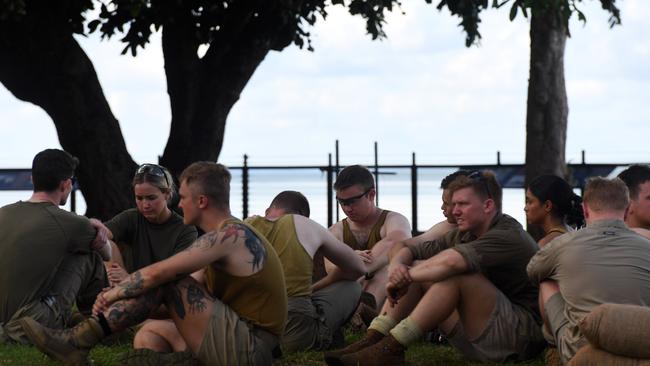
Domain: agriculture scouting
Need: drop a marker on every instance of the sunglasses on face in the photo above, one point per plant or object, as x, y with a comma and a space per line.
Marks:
352, 200
152, 169
478, 177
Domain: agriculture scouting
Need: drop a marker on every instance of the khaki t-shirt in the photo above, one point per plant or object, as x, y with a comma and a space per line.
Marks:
34, 239
149, 243
605, 262
500, 254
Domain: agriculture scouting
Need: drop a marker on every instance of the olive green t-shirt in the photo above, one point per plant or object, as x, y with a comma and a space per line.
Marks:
148, 242
34, 239
296, 262
500, 254
261, 298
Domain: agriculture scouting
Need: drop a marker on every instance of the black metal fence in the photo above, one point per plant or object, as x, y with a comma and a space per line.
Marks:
509, 176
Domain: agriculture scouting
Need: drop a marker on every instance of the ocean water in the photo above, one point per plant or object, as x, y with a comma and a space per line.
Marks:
394, 192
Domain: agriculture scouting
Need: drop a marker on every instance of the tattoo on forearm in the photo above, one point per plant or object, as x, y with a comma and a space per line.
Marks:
134, 285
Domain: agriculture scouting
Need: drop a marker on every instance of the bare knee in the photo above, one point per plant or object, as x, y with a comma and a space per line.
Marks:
146, 338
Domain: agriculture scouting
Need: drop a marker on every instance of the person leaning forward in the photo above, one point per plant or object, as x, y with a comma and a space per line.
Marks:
50, 258
368, 229
471, 284
315, 317
236, 317
605, 262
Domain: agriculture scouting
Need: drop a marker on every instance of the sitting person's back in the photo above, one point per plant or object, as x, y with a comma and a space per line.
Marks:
605, 262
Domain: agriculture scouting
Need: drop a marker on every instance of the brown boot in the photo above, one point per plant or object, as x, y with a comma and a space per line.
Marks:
332, 358
71, 346
388, 351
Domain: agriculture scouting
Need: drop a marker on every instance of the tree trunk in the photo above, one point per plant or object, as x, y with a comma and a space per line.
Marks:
547, 109
41, 63
202, 91
546, 117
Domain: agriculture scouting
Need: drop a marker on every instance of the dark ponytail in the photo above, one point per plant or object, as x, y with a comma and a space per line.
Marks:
566, 204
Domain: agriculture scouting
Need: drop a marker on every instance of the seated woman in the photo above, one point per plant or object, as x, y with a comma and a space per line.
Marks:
552, 205
151, 232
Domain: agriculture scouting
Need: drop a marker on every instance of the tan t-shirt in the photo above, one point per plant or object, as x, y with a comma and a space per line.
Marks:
34, 239
373, 237
605, 262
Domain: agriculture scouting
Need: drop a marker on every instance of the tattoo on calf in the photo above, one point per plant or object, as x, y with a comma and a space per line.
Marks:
132, 311
196, 299
134, 285
174, 299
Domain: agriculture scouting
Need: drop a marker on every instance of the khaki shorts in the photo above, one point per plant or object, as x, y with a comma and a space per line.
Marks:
230, 340
313, 320
511, 334
561, 335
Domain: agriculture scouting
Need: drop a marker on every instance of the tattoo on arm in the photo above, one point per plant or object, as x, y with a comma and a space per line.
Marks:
174, 299
126, 313
133, 286
196, 299
256, 248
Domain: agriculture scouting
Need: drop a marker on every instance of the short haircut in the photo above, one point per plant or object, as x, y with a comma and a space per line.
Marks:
483, 183
292, 202
209, 179
634, 176
602, 194
165, 184
446, 181
354, 174
50, 167
566, 204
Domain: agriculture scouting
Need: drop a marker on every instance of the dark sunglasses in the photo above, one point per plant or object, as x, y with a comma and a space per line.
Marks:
476, 176
152, 169
352, 200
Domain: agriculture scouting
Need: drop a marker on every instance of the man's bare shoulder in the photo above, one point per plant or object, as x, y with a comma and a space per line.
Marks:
337, 229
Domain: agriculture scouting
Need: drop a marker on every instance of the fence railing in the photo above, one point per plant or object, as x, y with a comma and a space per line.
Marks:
509, 176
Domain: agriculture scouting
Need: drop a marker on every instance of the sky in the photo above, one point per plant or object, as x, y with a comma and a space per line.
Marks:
419, 90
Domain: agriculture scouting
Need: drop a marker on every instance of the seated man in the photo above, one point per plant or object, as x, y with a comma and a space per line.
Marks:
46, 253
470, 283
314, 317
236, 318
443, 227
605, 262
637, 179
367, 229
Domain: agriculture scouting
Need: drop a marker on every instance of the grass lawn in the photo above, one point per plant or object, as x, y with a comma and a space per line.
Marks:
419, 354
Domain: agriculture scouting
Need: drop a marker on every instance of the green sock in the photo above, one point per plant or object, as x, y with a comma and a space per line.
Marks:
407, 332
383, 324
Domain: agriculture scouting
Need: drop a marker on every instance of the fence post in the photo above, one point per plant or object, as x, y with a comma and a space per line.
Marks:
330, 198
414, 196
376, 176
244, 183
336, 147
73, 199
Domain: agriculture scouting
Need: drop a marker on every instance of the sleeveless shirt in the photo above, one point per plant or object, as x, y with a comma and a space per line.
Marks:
259, 298
296, 262
373, 237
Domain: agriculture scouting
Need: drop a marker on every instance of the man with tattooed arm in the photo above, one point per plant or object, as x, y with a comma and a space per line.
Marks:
236, 317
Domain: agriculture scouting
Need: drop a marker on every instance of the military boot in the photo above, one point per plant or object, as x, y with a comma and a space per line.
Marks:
71, 346
332, 358
387, 352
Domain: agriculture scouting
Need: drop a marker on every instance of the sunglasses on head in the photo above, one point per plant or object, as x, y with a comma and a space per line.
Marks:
152, 169
477, 176
352, 200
